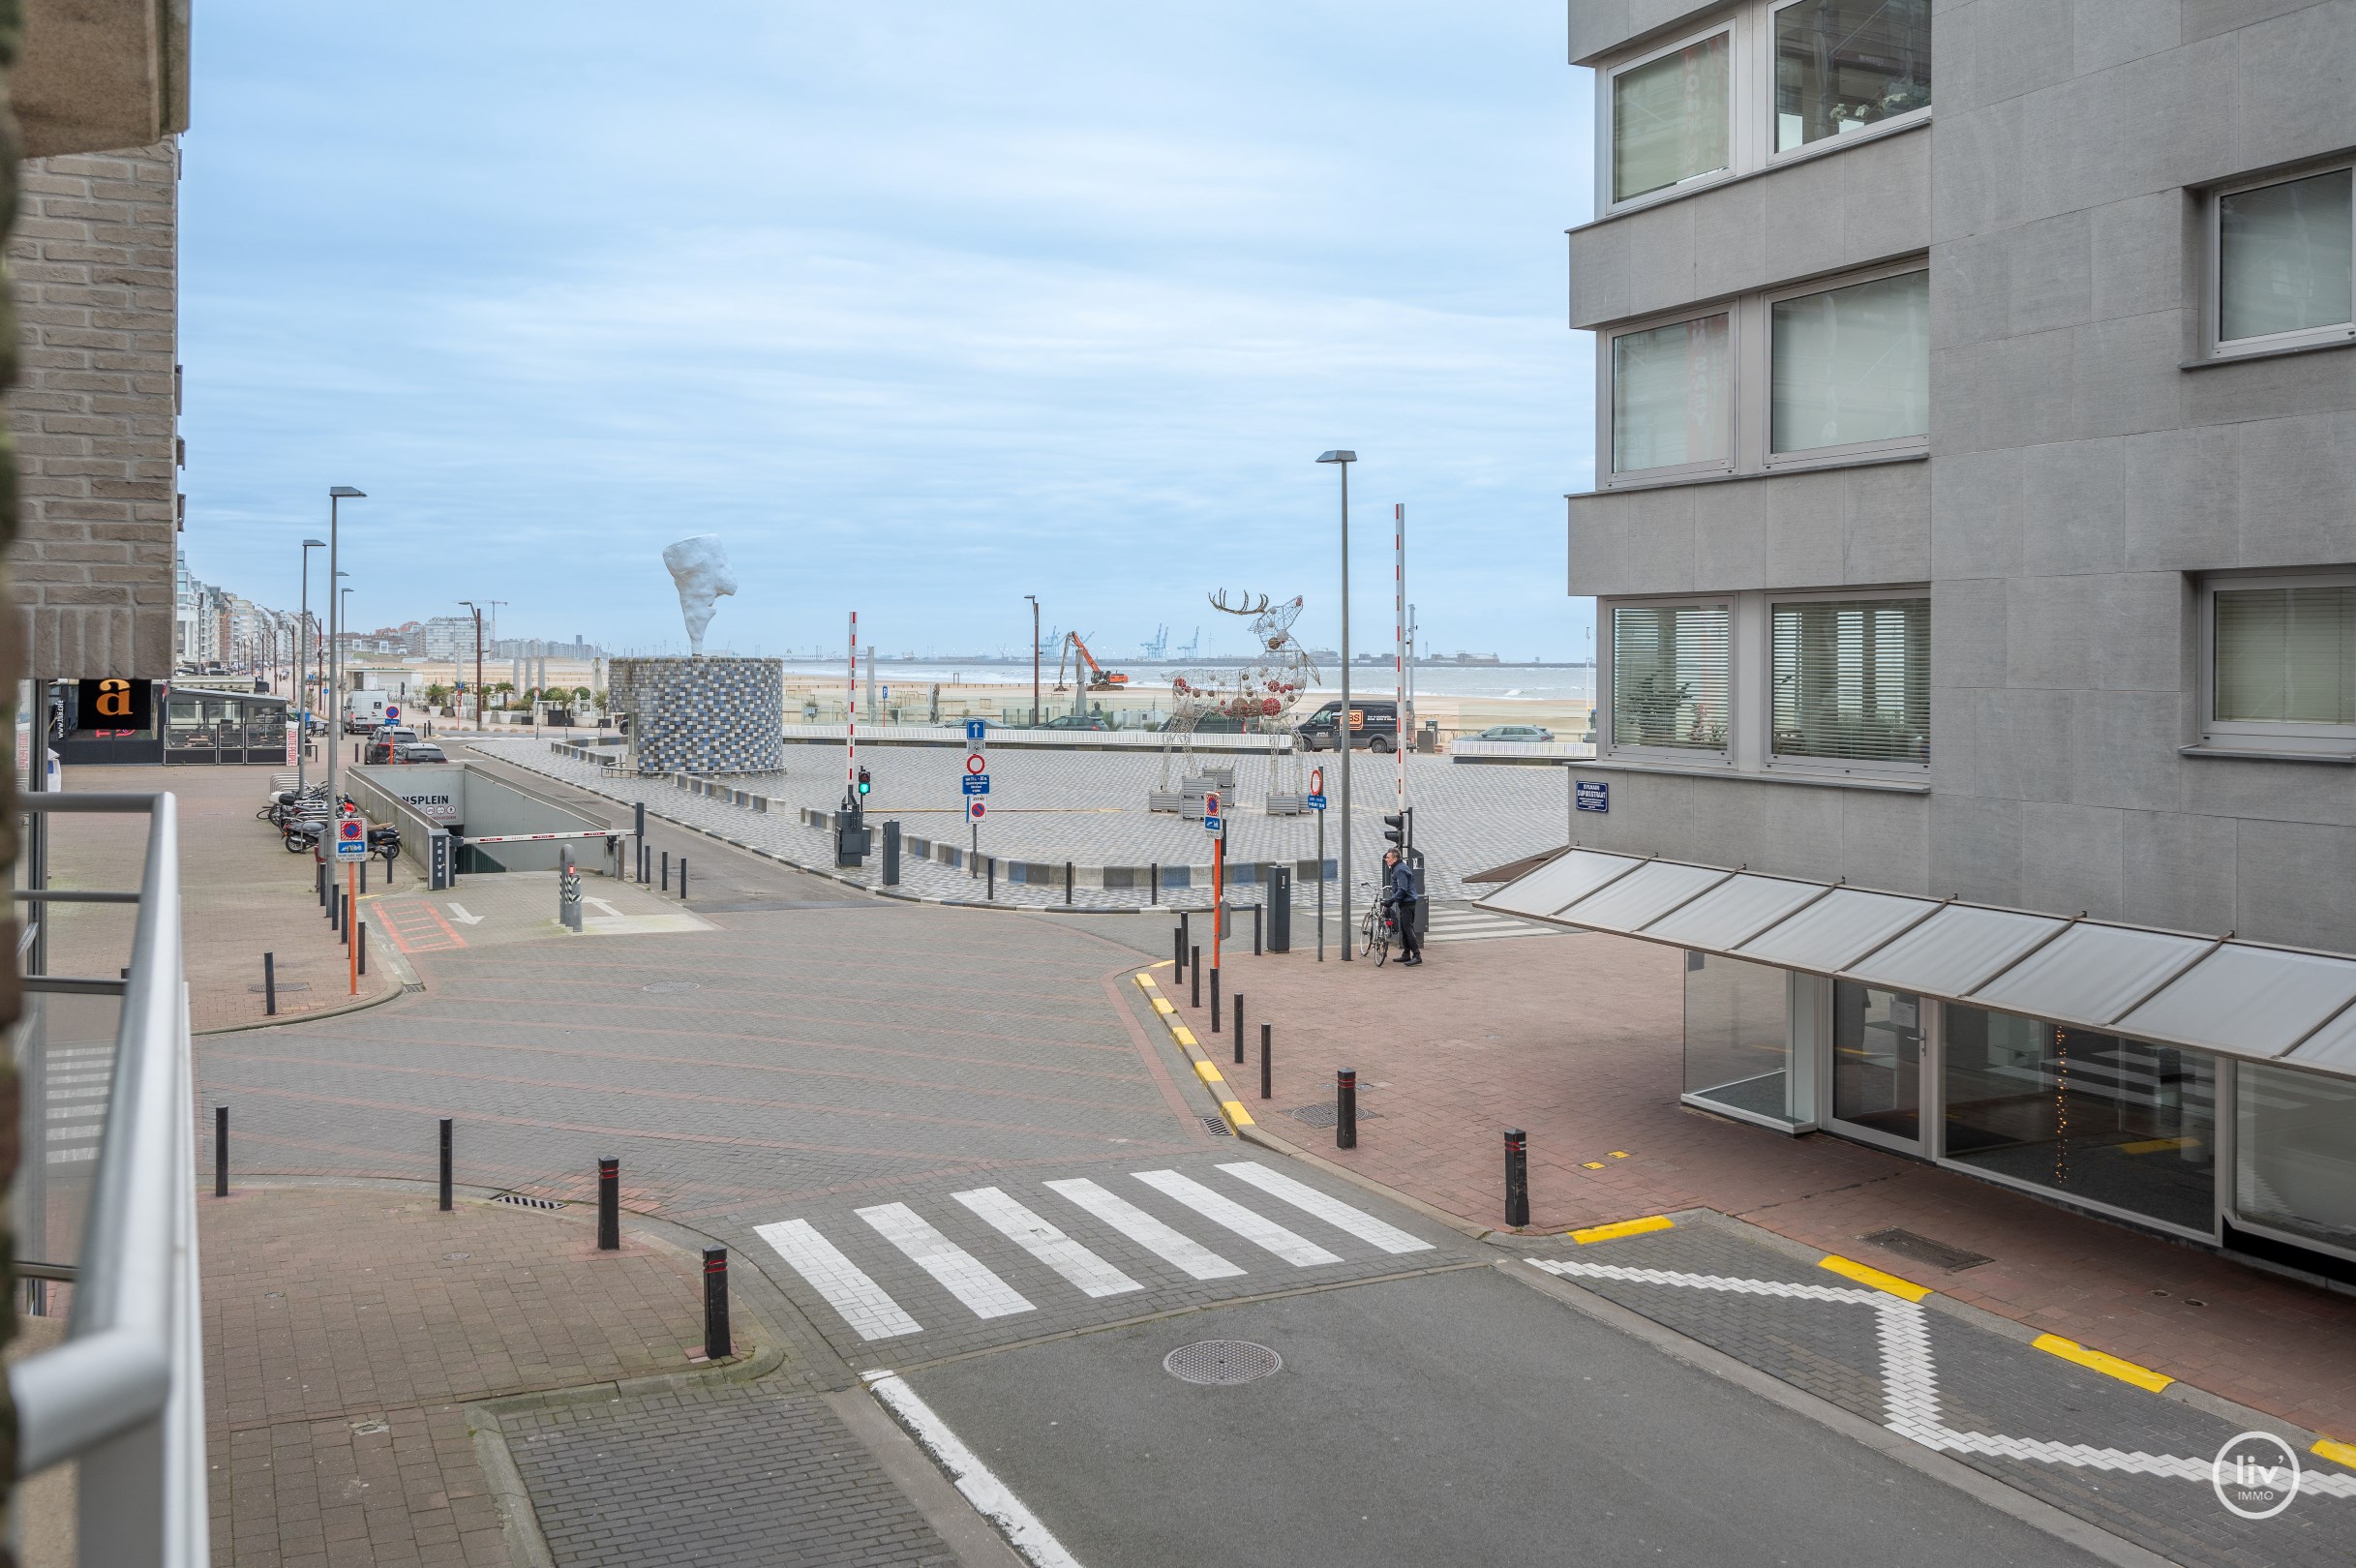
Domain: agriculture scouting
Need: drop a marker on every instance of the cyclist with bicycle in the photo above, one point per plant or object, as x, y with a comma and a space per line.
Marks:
1399, 905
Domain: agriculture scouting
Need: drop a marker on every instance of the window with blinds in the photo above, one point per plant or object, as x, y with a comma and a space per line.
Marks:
1853, 680
2286, 655
1669, 676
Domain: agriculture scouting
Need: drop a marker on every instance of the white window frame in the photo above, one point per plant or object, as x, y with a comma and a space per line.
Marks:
1605, 673
1608, 402
2216, 346
1750, 106
1845, 139
1763, 696
2328, 740
1772, 461
1750, 354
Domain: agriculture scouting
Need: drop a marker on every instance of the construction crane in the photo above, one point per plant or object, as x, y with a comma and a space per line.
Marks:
1098, 680
1188, 652
1156, 643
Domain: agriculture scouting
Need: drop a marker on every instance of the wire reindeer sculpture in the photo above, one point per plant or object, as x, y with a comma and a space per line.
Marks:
1260, 696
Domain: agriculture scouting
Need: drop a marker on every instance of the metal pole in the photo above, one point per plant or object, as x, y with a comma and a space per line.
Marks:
1239, 1029
352, 882
1399, 655
1346, 1109
850, 730
1516, 1177
335, 654
1348, 741
609, 1205
1265, 1069
1320, 887
302, 681
269, 984
718, 1343
445, 1164
221, 1151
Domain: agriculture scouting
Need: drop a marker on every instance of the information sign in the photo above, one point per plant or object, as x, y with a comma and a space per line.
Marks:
351, 838
1592, 795
976, 730
977, 783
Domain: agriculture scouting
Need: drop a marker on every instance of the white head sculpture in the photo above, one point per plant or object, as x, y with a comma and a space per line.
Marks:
700, 567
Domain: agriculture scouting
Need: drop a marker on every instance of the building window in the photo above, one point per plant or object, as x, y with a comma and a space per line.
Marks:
1669, 676
1852, 680
1670, 119
2283, 656
1843, 65
1671, 404
1877, 1059
1851, 366
2110, 1121
2294, 1149
2285, 261
1738, 1038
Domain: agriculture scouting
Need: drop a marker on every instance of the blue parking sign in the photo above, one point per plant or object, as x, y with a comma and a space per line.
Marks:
977, 783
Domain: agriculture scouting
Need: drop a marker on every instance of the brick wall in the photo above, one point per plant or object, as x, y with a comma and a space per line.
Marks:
95, 256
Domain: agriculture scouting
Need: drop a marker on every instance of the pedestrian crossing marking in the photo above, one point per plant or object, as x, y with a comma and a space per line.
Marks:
1094, 1276
75, 1113
1333, 1211
963, 1274
1296, 1250
847, 1288
1466, 922
1179, 1251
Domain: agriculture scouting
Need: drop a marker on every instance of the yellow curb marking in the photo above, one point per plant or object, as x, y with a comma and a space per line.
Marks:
1207, 1072
1625, 1227
1620, 1154
2336, 1453
1232, 1108
1183, 1034
1145, 982
1164, 964
1863, 1275
1592, 1164
2127, 1371
1160, 1006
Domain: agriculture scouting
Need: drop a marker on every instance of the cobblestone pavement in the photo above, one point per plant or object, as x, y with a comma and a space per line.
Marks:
2130, 1460
715, 1477
1576, 1040
1057, 806
345, 1327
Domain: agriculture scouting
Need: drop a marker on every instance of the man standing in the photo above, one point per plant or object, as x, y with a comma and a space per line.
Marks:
1398, 880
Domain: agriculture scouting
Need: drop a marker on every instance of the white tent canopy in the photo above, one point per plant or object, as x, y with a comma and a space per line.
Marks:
2214, 994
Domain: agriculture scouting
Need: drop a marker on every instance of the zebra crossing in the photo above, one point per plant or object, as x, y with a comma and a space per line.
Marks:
1466, 922
76, 1086
1074, 1255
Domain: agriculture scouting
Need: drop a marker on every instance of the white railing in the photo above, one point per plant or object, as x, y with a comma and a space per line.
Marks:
954, 734
124, 1394
1471, 746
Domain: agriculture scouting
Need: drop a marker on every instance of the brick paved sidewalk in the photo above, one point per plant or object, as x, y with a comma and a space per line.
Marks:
241, 895
343, 1328
1576, 1039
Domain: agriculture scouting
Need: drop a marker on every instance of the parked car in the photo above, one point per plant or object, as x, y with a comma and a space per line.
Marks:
387, 746
1077, 721
1516, 732
420, 751
1211, 724
1374, 725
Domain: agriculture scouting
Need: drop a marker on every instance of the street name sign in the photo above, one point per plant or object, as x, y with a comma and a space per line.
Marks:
1592, 795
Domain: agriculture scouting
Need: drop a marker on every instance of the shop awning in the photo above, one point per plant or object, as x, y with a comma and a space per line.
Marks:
2214, 994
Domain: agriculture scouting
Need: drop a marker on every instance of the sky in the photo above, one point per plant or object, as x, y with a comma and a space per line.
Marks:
919, 308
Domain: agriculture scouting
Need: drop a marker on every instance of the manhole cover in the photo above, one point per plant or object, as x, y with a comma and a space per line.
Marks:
1221, 1362
668, 987
1324, 1115
1922, 1250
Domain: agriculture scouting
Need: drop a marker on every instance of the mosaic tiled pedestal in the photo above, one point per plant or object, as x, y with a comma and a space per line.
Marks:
702, 716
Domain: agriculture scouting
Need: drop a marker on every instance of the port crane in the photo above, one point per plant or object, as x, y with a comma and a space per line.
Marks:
1100, 680
1156, 643
1188, 652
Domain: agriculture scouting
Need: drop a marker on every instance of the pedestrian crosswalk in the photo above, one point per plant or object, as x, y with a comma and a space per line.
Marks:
76, 1085
1466, 922
1077, 1256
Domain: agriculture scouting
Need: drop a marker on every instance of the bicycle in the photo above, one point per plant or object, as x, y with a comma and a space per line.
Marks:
1376, 932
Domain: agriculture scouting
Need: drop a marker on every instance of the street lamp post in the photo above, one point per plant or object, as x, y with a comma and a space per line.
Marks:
478, 667
302, 675
336, 495
1034, 598
1342, 460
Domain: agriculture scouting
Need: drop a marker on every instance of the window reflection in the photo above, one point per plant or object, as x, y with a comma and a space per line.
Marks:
1877, 1059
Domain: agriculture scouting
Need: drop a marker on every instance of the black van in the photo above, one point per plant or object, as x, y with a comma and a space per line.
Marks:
1373, 725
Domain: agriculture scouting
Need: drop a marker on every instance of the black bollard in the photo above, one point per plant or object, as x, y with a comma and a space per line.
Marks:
609, 1205
361, 937
1346, 1109
445, 1164
683, 876
1178, 950
1067, 882
638, 830
1215, 999
1239, 1029
322, 880
1153, 887
1193, 973
1516, 1177
364, 876
1259, 949
221, 1151
1265, 1069
269, 986
718, 1343
343, 919
993, 894
666, 870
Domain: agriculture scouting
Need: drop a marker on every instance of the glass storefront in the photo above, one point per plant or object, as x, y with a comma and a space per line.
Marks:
2295, 1153
2117, 1122
1737, 1039
1877, 1059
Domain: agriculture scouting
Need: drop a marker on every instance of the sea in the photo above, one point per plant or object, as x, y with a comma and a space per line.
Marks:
1506, 682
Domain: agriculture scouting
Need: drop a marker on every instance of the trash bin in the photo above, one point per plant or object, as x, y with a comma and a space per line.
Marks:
1279, 909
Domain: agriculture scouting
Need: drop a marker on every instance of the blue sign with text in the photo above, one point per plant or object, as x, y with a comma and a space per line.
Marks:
1592, 795
1214, 825
977, 783
1316, 803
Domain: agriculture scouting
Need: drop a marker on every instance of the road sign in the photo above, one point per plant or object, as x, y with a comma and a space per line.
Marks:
1210, 802
1592, 795
392, 714
1316, 803
976, 730
977, 763
977, 811
977, 783
351, 838
1214, 825
1317, 781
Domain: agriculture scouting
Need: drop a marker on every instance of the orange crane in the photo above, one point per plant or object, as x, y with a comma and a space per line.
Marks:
1097, 682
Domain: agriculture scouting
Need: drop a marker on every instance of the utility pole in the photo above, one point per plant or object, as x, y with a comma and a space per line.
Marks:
336, 495
1034, 598
479, 663
1341, 728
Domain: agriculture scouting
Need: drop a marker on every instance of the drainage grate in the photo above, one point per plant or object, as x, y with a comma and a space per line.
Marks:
1324, 1115
521, 1201
1217, 1127
1924, 1250
1221, 1362
669, 987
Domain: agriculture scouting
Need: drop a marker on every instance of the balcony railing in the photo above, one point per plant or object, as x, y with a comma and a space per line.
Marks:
124, 1393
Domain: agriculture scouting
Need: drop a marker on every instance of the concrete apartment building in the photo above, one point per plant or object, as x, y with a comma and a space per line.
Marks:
1974, 543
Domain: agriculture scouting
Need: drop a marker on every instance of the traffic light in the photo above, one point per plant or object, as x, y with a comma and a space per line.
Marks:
864, 781
1394, 831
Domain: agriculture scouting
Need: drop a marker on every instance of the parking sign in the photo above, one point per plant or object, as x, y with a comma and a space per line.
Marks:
351, 838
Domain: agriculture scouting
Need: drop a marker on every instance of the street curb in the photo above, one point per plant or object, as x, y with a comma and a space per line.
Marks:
1205, 1068
410, 985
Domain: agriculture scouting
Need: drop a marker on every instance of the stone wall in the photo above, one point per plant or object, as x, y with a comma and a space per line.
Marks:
95, 411
702, 716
